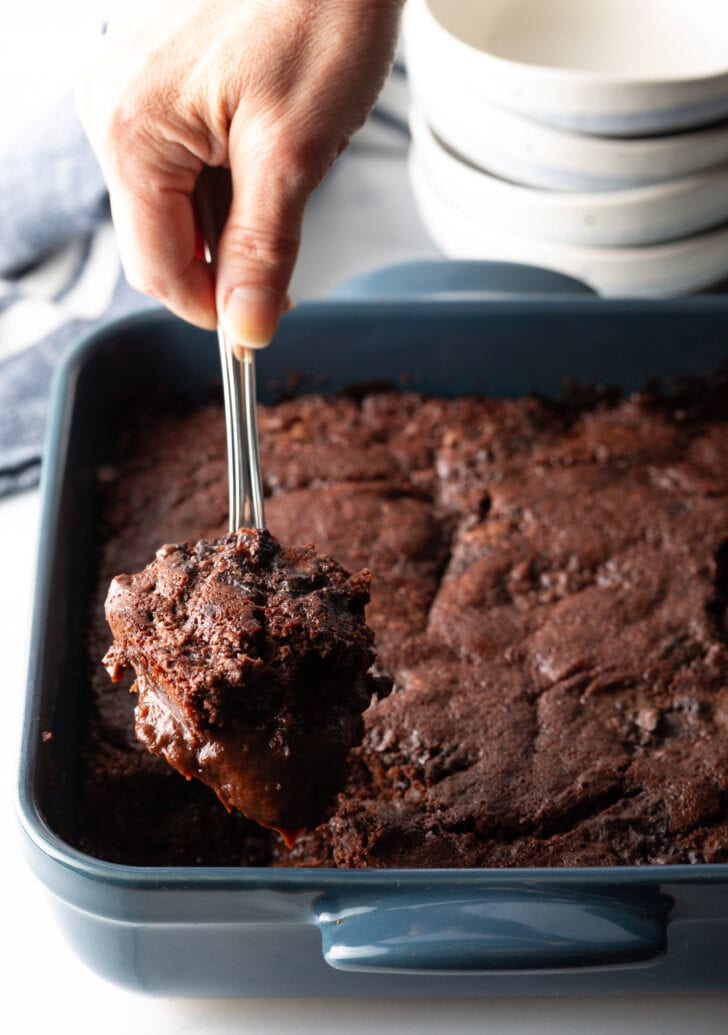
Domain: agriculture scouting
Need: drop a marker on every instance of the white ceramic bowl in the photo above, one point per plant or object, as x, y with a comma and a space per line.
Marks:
537, 155
637, 216
652, 271
612, 67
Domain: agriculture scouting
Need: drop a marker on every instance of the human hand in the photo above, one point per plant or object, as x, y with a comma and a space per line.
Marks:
273, 89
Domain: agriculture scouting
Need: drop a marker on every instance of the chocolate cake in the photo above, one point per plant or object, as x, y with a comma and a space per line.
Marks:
549, 593
252, 670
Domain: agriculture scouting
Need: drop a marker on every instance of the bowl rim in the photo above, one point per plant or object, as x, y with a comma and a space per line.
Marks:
567, 76
427, 140
595, 265
589, 148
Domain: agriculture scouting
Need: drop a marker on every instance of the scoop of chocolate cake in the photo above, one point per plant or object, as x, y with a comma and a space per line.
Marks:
253, 667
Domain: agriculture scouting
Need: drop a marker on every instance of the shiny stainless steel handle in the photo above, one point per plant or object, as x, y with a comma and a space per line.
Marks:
245, 482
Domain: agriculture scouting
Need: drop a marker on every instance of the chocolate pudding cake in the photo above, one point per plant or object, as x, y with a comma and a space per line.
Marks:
252, 670
549, 596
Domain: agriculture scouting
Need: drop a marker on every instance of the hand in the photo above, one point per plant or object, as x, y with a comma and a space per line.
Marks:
273, 89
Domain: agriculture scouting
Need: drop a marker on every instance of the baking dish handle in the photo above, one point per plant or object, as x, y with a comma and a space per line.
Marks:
487, 929
457, 279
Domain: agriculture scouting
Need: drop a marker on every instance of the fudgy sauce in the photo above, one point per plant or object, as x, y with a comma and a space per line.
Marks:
549, 591
252, 664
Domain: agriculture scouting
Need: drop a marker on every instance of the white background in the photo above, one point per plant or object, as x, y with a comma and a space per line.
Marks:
361, 218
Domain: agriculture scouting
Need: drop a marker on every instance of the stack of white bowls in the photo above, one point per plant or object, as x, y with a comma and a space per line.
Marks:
586, 136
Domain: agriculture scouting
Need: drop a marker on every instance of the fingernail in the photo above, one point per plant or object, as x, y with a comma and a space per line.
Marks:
251, 316
289, 304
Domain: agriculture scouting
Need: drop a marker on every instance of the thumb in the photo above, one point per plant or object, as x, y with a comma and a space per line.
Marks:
257, 252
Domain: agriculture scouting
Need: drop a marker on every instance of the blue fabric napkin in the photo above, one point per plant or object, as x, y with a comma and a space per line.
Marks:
59, 275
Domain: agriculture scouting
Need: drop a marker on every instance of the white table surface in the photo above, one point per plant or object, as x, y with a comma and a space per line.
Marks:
363, 217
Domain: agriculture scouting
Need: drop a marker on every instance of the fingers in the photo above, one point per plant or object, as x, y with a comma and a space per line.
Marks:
150, 164
157, 236
258, 247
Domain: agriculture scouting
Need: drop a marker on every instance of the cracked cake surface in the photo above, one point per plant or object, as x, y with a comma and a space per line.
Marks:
549, 592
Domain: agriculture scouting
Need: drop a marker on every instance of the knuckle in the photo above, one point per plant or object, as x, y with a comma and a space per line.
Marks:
130, 119
263, 246
133, 126
302, 160
294, 151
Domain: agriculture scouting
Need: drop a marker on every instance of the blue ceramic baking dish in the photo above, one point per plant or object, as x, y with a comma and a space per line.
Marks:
268, 932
